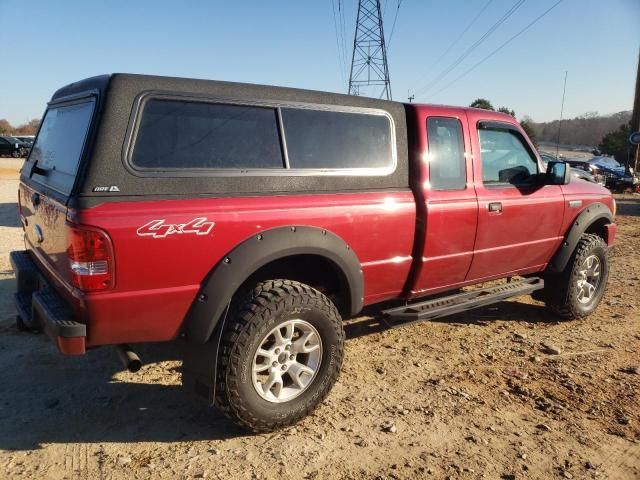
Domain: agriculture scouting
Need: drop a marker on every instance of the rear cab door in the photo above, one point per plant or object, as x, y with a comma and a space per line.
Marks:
519, 218
446, 200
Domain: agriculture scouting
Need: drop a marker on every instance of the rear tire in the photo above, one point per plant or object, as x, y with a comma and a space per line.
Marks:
281, 354
577, 291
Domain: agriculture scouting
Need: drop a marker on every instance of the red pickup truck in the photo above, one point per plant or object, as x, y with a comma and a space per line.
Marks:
248, 221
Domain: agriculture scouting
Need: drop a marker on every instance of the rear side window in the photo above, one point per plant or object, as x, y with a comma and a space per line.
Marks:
447, 169
175, 134
58, 147
505, 157
318, 139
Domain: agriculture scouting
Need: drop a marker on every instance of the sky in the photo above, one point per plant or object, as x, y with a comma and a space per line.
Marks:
48, 44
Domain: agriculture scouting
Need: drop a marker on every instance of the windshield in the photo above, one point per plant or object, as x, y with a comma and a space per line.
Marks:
58, 147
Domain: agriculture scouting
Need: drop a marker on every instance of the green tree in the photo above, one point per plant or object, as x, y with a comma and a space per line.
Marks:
530, 130
482, 103
507, 111
616, 143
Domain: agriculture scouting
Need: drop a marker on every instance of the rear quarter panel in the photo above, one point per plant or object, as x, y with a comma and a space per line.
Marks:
157, 277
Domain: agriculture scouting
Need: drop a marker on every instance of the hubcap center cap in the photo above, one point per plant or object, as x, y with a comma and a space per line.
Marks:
283, 357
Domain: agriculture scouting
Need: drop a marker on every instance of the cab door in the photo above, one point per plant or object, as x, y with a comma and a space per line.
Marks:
519, 218
446, 199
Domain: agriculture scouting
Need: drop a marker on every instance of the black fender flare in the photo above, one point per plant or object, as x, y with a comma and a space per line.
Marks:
592, 213
262, 248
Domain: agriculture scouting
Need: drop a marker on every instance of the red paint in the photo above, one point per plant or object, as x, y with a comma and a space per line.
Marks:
70, 345
409, 243
611, 230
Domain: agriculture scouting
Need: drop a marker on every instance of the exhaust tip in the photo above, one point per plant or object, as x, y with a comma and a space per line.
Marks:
129, 358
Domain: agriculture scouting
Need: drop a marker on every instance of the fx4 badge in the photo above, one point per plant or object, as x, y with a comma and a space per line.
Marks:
159, 229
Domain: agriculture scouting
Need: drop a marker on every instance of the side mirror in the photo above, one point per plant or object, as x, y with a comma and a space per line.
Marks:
558, 173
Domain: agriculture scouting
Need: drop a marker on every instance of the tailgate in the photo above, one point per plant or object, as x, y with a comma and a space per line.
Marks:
44, 224
48, 177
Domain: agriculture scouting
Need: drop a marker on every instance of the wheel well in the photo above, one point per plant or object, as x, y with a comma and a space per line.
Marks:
314, 270
598, 228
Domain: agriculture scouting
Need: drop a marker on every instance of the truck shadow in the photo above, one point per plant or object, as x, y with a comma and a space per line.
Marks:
48, 398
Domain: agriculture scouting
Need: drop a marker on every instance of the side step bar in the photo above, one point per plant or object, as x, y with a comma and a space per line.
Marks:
460, 302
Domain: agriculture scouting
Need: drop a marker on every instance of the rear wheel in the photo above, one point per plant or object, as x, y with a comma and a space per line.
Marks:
281, 354
577, 291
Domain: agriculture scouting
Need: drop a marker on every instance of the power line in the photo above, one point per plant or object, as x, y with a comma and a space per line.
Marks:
341, 16
393, 26
467, 52
341, 57
455, 42
538, 18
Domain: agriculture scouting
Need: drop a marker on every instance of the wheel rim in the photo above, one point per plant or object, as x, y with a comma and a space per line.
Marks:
589, 278
286, 361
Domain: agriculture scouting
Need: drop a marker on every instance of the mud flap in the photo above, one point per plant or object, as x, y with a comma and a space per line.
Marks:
200, 362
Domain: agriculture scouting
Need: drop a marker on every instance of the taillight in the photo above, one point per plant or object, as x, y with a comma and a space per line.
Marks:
90, 256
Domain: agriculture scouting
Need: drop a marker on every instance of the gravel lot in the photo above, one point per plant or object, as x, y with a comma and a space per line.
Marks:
471, 396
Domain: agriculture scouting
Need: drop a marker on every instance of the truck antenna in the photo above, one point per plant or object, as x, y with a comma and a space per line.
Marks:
564, 90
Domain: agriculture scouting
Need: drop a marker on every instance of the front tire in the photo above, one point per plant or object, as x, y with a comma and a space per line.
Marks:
577, 291
281, 354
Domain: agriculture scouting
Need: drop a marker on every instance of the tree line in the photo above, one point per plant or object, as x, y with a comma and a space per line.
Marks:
609, 133
588, 129
29, 128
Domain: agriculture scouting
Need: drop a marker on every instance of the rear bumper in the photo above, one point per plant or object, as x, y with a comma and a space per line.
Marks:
40, 307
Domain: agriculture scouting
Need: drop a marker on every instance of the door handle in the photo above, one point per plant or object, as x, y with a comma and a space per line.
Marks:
495, 207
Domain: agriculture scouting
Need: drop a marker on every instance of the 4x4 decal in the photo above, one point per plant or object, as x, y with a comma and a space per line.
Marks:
159, 229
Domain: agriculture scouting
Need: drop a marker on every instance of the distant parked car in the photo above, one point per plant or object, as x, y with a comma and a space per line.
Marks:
28, 139
12, 147
575, 172
615, 176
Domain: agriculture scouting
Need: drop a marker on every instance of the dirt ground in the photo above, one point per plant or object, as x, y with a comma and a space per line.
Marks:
471, 396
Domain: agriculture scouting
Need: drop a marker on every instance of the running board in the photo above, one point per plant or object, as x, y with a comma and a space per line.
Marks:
460, 302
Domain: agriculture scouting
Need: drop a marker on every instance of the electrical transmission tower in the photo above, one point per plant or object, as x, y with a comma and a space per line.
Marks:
369, 69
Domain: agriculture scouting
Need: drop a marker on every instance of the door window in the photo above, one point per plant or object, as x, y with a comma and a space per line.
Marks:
446, 154
506, 158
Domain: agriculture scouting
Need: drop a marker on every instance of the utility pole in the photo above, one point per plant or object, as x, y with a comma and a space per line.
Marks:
564, 90
369, 68
635, 117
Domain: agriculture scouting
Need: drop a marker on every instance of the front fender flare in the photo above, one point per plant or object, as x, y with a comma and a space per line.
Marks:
592, 213
260, 249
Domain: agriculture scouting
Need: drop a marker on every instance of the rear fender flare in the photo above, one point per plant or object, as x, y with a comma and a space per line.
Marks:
594, 212
262, 248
